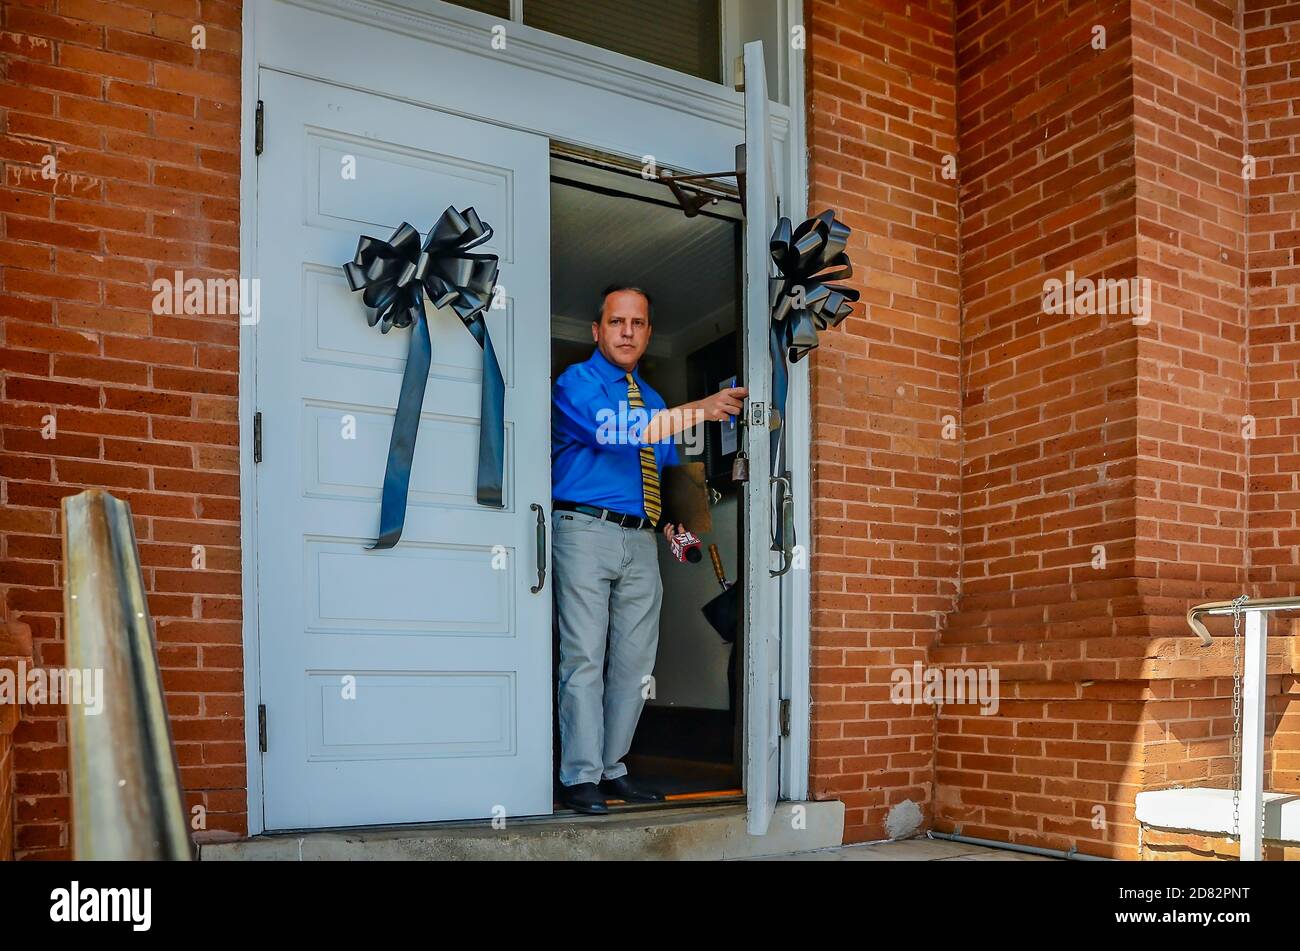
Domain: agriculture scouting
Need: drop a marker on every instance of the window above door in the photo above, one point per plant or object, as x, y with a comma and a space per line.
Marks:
701, 38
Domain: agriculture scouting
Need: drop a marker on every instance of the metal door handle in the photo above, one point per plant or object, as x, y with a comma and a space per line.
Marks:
787, 525
541, 548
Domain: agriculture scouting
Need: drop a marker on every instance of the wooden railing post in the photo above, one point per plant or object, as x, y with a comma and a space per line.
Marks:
126, 794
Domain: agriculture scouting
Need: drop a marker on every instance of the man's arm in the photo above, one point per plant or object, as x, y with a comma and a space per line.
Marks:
580, 412
667, 423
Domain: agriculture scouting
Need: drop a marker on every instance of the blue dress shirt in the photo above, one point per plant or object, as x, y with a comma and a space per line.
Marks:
596, 437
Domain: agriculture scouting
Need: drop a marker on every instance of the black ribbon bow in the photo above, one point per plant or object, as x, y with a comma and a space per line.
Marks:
804, 300
394, 276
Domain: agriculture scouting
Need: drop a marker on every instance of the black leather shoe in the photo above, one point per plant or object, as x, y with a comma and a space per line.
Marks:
622, 788
584, 797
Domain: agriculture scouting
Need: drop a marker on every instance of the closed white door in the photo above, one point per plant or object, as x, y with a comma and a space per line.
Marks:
411, 684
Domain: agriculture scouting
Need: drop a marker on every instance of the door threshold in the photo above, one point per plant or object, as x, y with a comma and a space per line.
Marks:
677, 801
696, 831
558, 814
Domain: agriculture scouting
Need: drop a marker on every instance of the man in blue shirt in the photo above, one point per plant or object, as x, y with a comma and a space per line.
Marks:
611, 436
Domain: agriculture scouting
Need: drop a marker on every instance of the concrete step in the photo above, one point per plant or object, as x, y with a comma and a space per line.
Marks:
690, 832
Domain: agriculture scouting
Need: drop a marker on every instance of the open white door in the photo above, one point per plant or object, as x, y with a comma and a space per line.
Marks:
761, 609
412, 684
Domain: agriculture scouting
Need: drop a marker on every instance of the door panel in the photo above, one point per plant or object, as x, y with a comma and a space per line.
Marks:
411, 684
762, 610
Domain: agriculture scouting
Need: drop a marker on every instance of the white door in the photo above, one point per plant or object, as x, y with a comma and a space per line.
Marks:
762, 609
411, 684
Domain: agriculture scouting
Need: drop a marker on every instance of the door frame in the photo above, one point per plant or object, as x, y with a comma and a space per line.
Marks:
660, 96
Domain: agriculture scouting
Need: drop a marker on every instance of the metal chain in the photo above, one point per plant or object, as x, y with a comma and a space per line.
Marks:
1237, 673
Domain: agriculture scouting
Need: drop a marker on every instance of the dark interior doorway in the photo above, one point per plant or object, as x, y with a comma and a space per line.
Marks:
610, 226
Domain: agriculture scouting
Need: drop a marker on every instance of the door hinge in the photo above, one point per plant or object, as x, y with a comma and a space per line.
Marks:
785, 717
261, 727
257, 436
257, 129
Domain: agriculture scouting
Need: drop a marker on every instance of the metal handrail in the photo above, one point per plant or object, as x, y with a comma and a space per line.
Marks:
126, 791
1250, 675
1227, 607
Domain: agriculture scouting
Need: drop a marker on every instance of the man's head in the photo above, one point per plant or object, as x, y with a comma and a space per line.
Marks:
621, 329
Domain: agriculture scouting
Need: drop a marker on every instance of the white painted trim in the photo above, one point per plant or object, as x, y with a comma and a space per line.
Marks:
1254, 695
796, 645
453, 28
463, 29
437, 58
247, 406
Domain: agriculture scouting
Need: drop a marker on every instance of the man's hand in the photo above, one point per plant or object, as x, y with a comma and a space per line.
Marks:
726, 402
670, 530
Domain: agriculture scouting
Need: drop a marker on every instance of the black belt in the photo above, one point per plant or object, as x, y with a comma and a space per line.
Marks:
618, 518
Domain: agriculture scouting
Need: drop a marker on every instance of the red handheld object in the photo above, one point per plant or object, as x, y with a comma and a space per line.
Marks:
686, 547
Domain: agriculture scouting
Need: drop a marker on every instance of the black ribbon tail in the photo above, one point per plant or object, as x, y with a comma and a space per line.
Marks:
394, 276
492, 427
406, 423
778, 346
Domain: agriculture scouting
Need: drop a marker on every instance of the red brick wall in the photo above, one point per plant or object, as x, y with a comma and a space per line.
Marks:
1076, 430
1273, 103
144, 134
1096, 705
1048, 399
1169, 845
881, 117
969, 450
1049, 428
1192, 360
1191, 223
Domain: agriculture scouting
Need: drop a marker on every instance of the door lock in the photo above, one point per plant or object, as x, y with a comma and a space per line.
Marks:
740, 467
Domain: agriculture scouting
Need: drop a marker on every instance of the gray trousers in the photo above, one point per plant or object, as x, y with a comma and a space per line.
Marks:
608, 593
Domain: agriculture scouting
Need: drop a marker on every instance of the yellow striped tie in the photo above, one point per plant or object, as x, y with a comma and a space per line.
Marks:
649, 468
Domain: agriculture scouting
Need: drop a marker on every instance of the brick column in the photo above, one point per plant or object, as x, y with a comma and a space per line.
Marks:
1191, 372
1050, 595
1119, 155
1272, 43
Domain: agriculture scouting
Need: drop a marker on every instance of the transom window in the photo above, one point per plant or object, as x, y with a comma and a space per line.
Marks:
701, 38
